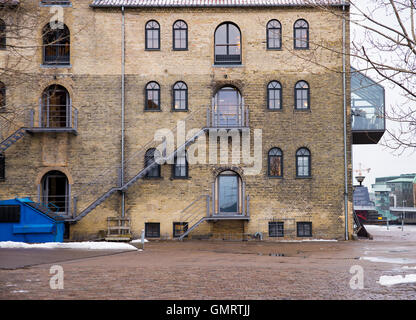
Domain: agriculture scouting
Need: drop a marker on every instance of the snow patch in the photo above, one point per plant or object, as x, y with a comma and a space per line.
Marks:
138, 241
392, 280
409, 268
89, 245
389, 260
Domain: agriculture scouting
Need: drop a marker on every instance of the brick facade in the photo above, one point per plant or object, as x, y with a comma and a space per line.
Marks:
90, 159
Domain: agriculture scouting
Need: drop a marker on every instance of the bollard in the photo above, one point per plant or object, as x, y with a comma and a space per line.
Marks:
387, 224
402, 220
142, 238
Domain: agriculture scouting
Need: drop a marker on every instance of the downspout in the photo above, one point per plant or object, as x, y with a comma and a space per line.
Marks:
344, 85
123, 51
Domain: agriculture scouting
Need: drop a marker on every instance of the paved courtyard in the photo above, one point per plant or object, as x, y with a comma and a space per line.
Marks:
218, 270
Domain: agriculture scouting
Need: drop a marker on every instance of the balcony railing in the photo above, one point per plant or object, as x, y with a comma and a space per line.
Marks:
54, 118
244, 210
228, 116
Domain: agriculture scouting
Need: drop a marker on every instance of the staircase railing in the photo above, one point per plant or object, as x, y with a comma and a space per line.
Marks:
109, 181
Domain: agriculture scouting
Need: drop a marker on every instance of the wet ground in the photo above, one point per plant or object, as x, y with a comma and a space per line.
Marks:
219, 270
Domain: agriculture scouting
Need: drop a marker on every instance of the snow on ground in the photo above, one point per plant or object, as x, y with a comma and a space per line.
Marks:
69, 245
394, 233
389, 260
138, 241
392, 280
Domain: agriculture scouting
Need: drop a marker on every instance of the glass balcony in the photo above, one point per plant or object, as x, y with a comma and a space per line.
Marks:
368, 109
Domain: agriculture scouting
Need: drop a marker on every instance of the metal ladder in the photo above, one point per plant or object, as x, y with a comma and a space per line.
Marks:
13, 138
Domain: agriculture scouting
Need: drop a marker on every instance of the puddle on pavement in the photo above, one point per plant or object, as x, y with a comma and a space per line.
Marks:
389, 260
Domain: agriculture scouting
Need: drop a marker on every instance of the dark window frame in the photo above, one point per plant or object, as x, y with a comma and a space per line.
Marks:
174, 29
3, 35
146, 35
148, 160
300, 231
279, 232
309, 156
152, 233
10, 215
174, 90
269, 156
268, 28
185, 224
228, 45
3, 92
308, 97
280, 90
2, 167
60, 38
47, 3
295, 28
174, 165
147, 90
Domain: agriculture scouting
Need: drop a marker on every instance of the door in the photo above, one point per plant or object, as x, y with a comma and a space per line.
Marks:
228, 194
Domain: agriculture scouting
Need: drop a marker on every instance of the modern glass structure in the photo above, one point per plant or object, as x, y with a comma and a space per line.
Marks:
368, 109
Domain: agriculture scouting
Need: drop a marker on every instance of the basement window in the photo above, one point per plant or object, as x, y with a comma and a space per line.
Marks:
152, 230
179, 228
276, 229
55, 2
304, 229
9, 214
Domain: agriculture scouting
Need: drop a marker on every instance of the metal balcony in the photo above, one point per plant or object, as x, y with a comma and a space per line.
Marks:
228, 116
54, 119
367, 109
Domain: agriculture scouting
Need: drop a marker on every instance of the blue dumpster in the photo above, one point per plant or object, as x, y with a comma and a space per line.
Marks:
23, 220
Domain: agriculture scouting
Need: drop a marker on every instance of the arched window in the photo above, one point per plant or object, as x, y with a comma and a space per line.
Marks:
303, 163
55, 107
180, 167
152, 35
180, 96
3, 41
56, 44
274, 35
2, 96
274, 95
152, 96
55, 193
149, 159
275, 163
180, 35
227, 44
301, 34
228, 108
302, 96
229, 193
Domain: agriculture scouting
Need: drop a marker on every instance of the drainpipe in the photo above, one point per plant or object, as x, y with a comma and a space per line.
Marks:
344, 86
123, 51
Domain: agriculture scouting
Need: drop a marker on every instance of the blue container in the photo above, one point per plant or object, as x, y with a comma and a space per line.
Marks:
23, 220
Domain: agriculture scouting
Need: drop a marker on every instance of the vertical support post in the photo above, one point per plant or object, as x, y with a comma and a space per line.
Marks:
32, 116
213, 198
243, 113
68, 201
403, 219
208, 120
76, 119
38, 193
243, 209
40, 113
208, 199
69, 119
74, 209
248, 205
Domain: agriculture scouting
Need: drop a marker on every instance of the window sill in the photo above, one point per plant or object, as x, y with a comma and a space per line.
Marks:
54, 5
274, 49
185, 49
228, 65
56, 66
179, 110
147, 49
274, 110
148, 110
180, 178
301, 48
303, 178
274, 178
152, 178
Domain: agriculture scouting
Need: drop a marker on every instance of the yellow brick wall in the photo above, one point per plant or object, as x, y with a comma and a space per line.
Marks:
94, 81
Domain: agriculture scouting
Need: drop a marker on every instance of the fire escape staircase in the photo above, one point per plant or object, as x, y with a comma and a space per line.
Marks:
13, 138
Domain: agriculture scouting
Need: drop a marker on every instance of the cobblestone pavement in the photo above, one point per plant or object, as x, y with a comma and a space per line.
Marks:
226, 270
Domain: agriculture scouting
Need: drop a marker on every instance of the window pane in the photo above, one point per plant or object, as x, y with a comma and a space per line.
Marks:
275, 166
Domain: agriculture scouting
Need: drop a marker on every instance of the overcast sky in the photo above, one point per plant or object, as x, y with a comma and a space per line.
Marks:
381, 161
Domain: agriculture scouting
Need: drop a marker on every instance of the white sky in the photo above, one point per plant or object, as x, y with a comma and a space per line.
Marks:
381, 160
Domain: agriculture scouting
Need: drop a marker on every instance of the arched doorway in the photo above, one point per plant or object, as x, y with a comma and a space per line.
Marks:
55, 191
229, 193
228, 108
55, 107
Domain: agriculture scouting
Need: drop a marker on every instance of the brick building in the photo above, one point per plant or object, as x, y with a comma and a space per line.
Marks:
116, 72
